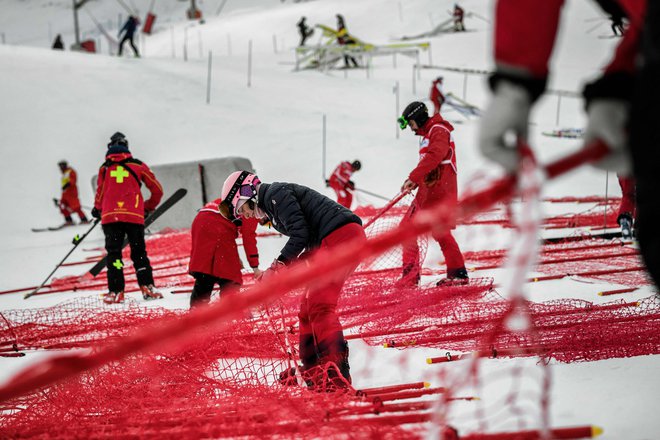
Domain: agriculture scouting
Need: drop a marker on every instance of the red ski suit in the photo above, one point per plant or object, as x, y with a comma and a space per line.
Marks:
435, 176
436, 96
525, 34
214, 250
69, 201
339, 182
627, 206
118, 194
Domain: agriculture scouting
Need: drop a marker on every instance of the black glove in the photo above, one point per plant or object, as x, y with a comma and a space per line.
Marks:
327, 183
350, 184
96, 213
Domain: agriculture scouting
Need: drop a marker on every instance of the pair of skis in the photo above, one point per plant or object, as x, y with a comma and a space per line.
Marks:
98, 267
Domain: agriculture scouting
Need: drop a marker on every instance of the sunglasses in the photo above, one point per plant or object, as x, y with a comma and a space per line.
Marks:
403, 122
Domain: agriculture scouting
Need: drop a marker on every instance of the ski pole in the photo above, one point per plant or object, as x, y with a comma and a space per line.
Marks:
387, 207
76, 241
56, 201
370, 193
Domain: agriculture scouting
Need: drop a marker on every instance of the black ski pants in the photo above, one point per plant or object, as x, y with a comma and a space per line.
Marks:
114, 241
128, 38
201, 293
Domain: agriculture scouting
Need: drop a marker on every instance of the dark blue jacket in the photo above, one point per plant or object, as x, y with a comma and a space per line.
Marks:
129, 27
302, 214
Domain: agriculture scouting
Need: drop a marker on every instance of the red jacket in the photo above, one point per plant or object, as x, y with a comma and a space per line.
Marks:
341, 175
118, 195
214, 251
435, 174
525, 34
436, 96
70, 189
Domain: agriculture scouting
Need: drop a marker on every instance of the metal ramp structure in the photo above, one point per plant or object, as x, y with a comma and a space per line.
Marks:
328, 53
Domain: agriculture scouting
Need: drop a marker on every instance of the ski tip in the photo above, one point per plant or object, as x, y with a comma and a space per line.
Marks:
596, 431
429, 361
427, 384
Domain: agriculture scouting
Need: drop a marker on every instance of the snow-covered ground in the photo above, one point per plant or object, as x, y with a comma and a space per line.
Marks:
65, 105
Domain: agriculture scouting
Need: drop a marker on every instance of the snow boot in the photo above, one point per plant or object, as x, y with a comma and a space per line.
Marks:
333, 361
149, 292
114, 297
625, 221
455, 277
288, 377
410, 276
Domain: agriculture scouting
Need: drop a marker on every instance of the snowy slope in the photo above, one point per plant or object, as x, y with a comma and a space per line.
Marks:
65, 105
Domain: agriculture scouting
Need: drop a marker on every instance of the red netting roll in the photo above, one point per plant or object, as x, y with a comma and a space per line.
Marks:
567, 330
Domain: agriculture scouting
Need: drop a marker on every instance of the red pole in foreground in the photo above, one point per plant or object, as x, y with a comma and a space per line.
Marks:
386, 208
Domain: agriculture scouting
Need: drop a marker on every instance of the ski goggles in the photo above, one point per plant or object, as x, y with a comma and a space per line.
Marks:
247, 191
403, 122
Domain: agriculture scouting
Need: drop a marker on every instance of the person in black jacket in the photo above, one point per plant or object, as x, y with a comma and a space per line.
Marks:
311, 221
58, 44
129, 30
304, 30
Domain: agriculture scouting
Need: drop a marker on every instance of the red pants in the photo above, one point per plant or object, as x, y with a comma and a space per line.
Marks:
344, 196
627, 206
321, 333
68, 207
448, 246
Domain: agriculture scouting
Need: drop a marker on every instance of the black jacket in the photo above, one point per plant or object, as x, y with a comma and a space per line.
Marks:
302, 214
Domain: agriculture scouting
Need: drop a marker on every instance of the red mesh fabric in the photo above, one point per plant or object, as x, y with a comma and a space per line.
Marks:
208, 373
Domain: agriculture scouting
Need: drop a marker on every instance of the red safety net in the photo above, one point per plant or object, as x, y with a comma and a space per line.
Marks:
133, 371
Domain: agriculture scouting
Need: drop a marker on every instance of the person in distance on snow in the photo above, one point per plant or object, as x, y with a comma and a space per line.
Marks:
621, 104
129, 31
58, 44
436, 95
458, 15
214, 255
311, 221
435, 180
304, 30
69, 202
340, 181
121, 207
344, 38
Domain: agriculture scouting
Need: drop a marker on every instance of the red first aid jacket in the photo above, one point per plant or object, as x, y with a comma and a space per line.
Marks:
435, 174
118, 194
525, 35
214, 250
70, 189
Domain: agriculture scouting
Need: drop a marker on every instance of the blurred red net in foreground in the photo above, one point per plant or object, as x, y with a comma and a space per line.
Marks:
223, 382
